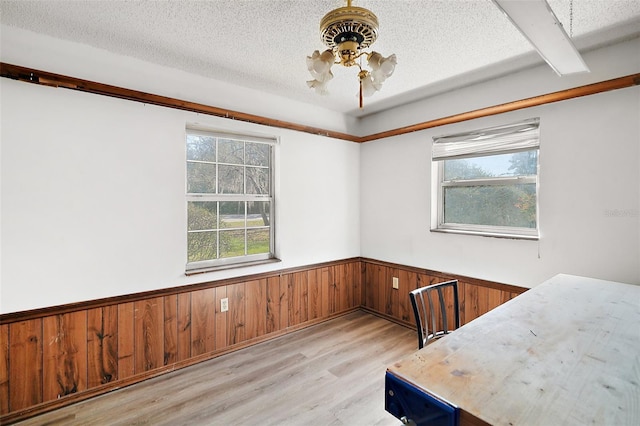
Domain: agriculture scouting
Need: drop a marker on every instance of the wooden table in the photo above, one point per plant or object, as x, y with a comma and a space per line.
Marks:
566, 352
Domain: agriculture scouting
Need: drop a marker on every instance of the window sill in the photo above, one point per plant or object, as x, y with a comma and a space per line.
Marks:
487, 234
230, 266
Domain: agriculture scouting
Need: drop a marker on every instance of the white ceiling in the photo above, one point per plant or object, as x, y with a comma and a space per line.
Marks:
262, 44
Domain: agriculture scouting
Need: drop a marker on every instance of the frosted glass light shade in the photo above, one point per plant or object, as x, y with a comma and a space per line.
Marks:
388, 65
319, 65
320, 86
369, 87
382, 68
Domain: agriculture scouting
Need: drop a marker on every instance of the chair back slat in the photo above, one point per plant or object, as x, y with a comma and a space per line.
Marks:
430, 323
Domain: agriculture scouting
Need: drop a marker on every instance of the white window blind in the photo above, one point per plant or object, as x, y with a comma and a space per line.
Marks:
521, 136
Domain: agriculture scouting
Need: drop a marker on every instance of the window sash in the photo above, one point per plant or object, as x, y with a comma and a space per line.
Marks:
246, 259
490, 181
233, 136
485, 230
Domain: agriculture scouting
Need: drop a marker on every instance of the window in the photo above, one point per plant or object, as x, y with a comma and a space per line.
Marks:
487, 181
230, 201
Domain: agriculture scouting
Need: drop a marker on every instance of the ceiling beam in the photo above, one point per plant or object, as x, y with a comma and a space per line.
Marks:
539, 25
34, 76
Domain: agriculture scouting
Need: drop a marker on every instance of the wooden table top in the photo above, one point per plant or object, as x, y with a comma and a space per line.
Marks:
566, 352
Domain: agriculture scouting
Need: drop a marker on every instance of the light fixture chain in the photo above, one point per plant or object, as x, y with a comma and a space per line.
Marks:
571, 18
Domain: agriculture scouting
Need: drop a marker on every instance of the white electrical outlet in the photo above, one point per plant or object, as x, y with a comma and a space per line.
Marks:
224, 304
395, 283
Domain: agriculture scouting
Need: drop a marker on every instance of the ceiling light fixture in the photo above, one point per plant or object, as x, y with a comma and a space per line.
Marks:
347, 31
537, 22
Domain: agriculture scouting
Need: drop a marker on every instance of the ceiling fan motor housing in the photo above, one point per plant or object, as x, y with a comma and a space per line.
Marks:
348, 29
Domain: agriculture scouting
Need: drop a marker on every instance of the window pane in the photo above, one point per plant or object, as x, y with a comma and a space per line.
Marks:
201, 148
232, 243
257, 241
230, 151
201, 178
258, 213
495, 205
257, 180
232, 214
201, 246
502, 165
228, 193
257, 154
202, 215
231, 179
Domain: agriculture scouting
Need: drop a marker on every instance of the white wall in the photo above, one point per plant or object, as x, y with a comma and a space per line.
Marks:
93, 197
589, 204
92, 188
589, 179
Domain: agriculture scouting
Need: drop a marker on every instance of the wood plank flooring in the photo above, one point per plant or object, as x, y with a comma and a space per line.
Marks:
328, 374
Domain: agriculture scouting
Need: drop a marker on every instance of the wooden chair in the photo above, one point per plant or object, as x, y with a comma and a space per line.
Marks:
428, 327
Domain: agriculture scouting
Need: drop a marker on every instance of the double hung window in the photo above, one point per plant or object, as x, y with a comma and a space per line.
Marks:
230, 202
486, 181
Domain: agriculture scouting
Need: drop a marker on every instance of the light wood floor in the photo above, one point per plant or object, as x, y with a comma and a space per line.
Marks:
328, 374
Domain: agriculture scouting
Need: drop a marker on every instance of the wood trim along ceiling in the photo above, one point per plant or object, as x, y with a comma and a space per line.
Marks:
29, 75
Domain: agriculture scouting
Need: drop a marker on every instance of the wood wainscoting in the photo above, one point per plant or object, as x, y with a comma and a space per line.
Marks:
55, 356
59, 355
476, 296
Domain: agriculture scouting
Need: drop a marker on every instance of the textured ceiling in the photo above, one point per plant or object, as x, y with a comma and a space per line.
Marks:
262, 44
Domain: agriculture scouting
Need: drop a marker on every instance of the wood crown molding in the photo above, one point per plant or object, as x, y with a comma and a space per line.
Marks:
29, 75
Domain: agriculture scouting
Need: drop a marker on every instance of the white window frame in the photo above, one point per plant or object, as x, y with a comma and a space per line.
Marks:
247, 259
510, 138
